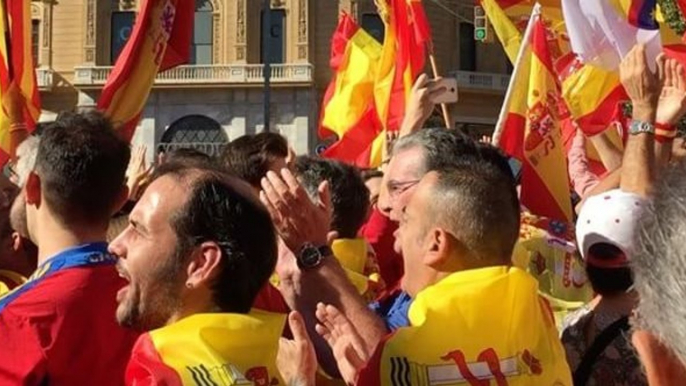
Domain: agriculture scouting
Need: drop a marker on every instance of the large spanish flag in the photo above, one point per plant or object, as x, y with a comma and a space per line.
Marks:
16, 66
160, 40
407, 39
531, 129
591, 93
209, 349
348, 109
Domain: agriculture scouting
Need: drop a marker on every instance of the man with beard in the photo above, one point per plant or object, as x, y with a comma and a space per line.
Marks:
198, 249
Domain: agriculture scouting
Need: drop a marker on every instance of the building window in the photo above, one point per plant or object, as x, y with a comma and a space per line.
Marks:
35, 40
276, 36
467, 47
372, 23
201, 45
122, 25
197, 132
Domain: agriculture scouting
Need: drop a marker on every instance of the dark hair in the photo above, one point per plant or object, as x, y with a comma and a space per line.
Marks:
349, 195
223, 209
81, 162
370, 174
480, 207
609, 281
250, 156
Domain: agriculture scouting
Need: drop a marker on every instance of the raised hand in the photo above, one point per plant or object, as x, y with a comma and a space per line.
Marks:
642, 85
672, 102
297, 360
421, 103
345, 341
298, 220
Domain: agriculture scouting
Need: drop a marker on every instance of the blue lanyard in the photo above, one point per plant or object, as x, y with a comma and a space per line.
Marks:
87, 255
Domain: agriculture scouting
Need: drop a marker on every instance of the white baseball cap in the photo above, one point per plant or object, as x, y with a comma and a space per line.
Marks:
610, 218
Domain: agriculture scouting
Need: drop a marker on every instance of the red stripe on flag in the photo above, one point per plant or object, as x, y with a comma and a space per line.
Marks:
539, 46
599, 120
357, 141
512, 137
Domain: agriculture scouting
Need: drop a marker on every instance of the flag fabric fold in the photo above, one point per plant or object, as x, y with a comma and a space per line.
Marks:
602, 35
160, 40
531, 129
348, 109
16, 66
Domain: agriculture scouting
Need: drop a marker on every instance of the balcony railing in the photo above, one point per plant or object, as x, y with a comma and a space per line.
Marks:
208, 74
481, 80
44, 78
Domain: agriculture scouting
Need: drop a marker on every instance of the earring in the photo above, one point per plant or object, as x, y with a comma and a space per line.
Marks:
189, 285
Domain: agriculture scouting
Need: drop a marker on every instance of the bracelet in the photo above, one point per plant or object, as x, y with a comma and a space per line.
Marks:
664, 132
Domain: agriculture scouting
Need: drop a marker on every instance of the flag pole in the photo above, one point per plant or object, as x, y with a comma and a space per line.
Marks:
8, 41
500, 125
434, 69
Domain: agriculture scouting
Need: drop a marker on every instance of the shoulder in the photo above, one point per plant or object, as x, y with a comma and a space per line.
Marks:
146, 366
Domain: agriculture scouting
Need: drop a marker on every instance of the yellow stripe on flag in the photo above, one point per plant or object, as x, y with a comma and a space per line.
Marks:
354, 89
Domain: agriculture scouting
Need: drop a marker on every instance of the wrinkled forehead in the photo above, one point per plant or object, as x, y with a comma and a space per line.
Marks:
406, 164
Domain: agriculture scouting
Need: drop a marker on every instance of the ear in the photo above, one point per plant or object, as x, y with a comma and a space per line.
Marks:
438, 248
122, 198
17, 242
204, 266
33, 189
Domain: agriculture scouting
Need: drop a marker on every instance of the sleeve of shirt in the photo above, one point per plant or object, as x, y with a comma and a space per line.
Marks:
579, 172
22, 359
146, 367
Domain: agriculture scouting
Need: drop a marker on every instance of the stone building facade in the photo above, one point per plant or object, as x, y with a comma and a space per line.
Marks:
218, 96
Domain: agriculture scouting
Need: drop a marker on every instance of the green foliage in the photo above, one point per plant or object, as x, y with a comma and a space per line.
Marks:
673, 16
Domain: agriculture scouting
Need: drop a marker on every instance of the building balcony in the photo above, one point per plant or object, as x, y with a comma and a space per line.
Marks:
481, 81
218, 74
44, 78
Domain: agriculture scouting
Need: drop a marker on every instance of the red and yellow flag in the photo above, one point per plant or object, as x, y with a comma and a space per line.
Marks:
532, 133
16, 66
210, 349
507, 335
160, 40
348, 109
591, 94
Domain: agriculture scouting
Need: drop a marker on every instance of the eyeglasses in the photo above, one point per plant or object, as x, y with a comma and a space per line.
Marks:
397, 188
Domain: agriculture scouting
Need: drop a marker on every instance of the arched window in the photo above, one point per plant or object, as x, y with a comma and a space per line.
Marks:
201, 45
197, 132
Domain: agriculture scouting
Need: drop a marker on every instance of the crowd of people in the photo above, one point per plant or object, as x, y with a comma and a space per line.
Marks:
262, 267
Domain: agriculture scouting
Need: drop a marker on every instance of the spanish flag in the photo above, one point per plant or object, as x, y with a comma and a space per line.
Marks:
484, 326
591, 94
16, 66
209, 349
160, 40
531, 129
348, 109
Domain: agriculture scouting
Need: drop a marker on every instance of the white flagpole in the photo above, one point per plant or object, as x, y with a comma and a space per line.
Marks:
500, 125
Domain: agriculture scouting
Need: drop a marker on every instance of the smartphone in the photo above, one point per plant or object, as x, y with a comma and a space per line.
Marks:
450, 95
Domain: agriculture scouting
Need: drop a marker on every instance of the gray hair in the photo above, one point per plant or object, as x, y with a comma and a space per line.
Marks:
660, 262
26, 152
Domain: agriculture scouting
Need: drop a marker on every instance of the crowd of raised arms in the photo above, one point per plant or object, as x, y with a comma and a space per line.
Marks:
260, 267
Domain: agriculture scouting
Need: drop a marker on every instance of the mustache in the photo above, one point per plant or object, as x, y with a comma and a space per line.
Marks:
122, 271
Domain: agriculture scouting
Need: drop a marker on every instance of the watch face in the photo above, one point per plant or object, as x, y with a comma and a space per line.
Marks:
310, 257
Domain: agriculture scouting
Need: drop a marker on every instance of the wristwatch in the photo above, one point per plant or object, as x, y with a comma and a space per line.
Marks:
311, 256
640, 127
